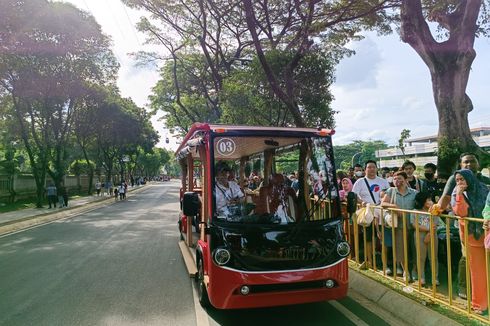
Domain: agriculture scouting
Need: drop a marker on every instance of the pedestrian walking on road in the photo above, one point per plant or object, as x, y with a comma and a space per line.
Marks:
61, 196
109, 187
52, 195
116, 193
122, 191
98, 187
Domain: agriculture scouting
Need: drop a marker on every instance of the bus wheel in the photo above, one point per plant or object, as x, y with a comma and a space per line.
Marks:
201, 287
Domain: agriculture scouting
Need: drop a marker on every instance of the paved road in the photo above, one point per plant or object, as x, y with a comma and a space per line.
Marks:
120, 265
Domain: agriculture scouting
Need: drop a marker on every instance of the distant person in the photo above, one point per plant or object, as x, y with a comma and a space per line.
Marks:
109, 187
51, 193
64, 193
61, 196
122, 191
116, 193
98, 187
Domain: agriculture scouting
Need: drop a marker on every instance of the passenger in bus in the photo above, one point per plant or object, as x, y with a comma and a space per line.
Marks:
254, 183
470, 202
229, 196
278, 200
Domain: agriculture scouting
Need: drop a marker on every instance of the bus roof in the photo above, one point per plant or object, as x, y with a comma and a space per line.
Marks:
220, 128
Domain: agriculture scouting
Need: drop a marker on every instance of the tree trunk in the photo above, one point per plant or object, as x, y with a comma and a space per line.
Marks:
449, 63
453, 105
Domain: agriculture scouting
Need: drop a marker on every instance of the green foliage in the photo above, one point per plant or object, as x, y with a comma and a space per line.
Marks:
79, 167
405, 134
152, 163
58, 96
287, 162
247, 99
449, 149
359, 149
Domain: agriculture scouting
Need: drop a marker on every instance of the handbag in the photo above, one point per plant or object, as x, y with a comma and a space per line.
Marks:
390, 217
365, 215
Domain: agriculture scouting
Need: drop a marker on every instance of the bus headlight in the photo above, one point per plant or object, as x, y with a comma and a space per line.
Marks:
221, 256
329, 284
244, 290
343, 249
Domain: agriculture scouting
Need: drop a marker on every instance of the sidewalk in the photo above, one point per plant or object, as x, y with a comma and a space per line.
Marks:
24, 218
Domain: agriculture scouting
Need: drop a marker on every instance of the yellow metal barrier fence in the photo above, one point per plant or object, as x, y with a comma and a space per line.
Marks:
418, 244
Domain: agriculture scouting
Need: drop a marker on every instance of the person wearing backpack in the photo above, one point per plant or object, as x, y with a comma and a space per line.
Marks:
369, 190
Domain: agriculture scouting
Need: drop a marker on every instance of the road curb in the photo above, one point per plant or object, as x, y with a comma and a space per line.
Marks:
404, 308
39, 219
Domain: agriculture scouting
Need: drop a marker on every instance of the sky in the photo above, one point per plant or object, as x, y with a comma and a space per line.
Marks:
381, 90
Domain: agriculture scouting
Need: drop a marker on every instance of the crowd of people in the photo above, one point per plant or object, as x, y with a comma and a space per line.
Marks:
463, 194
58, 196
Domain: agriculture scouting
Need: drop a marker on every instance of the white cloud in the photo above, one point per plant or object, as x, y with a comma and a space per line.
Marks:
384, 88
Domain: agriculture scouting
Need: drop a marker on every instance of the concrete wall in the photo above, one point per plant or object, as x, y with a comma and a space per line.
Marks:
25, 185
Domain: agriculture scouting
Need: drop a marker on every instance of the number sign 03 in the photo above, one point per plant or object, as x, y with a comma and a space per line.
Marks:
225, 146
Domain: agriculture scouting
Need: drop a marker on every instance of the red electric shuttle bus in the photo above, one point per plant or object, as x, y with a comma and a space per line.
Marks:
260, 221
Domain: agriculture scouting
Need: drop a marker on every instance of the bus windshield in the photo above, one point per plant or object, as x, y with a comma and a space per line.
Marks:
274, 180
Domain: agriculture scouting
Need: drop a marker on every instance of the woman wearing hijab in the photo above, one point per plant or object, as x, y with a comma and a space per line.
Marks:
470, 197
346, 188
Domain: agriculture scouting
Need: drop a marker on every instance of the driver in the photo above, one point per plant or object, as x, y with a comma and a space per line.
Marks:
228, 193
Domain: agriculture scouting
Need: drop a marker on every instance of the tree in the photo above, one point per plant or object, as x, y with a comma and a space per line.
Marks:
367, 149
299, 27
405, 134
213, 32
248, 99
50, 51
122, 127
449, 62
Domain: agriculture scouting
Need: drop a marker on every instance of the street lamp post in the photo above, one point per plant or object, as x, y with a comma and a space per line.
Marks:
353, 158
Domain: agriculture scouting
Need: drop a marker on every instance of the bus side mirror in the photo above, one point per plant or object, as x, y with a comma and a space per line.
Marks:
351, 202
191, 203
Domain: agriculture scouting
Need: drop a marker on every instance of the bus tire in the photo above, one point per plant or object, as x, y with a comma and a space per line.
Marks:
202, 293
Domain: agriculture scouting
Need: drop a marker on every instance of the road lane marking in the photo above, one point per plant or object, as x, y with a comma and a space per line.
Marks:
348, 314
201, 314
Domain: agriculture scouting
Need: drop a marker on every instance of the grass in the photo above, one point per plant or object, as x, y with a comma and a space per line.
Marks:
20, 204
28, 203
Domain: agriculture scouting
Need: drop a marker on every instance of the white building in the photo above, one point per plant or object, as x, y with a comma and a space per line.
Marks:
423, 150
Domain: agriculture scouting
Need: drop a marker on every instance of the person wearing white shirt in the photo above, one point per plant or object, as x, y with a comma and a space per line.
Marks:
228, 194
369, 190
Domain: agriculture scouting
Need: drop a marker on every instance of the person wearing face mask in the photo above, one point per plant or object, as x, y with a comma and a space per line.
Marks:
358, 172
432, 184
